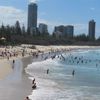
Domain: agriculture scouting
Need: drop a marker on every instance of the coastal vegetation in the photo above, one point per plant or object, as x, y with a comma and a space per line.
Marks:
11, 35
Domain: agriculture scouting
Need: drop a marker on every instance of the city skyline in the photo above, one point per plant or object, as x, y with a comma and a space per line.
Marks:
64, 13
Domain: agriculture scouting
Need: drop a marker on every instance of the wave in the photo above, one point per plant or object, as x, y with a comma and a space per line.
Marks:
59, 83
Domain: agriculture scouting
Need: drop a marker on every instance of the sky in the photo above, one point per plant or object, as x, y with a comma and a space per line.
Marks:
54, 13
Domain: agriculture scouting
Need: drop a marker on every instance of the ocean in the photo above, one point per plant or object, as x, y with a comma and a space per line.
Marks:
60, 83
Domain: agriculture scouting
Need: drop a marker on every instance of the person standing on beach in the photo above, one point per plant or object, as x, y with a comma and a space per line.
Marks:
13, 63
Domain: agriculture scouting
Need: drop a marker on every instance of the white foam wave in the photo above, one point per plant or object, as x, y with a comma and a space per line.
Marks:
41, 67
50, 88
48, 93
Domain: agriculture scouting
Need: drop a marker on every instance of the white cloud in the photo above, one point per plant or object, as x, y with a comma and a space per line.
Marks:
81, 28
34, 1
9, 15
92, 8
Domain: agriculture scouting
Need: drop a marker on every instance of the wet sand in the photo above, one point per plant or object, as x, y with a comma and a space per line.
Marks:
5, 68
16, 86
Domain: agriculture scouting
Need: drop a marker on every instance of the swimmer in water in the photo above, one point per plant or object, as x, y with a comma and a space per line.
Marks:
73, 72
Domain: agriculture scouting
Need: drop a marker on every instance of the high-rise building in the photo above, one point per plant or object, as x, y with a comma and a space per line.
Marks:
60, 29
43, 28
91, 30
69, 31
32, 16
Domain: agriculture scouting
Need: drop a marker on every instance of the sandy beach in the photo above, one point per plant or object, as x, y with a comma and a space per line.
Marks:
14, 82
5, 68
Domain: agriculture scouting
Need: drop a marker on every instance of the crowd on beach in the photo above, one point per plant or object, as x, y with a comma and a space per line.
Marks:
11, 53
8, 53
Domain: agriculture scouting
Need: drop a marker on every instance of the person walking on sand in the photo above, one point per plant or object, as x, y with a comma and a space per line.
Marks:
13, 63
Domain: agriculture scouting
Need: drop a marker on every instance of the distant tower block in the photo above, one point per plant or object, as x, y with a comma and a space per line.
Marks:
43, 28
92, 30
32, 16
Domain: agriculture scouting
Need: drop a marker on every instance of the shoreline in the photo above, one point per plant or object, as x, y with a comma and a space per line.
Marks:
23, 88
13, 86
69, 50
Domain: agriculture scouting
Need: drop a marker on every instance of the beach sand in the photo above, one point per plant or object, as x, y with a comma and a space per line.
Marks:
5, 68
16, 86
14, 83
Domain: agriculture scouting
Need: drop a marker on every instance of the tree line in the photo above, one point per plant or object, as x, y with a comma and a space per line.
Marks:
17, 35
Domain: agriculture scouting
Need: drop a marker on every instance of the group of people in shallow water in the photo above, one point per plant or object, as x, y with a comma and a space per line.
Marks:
71, 59
47, 71
34, 84
33, 87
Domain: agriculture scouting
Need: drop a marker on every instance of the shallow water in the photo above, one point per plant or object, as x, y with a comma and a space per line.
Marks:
60, 84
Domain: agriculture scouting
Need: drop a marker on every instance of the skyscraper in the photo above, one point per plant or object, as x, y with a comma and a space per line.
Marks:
32, 16
69, 31
60, 29
43, 28
65, 30
92, 30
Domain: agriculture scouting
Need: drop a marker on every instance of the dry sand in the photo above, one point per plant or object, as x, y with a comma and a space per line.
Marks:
5, 68
16, 86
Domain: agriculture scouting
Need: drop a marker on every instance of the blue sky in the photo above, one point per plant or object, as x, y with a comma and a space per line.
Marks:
54, 12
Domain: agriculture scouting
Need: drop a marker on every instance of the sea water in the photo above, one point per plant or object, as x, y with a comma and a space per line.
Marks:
60, 84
